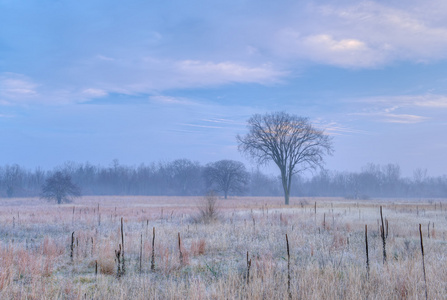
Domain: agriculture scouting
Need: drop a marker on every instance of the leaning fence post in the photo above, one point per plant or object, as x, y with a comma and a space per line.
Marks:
289, 292
423, 262
367, 255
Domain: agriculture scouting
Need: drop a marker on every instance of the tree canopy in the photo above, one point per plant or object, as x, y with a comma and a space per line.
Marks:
290, 141
59, 187
227, 176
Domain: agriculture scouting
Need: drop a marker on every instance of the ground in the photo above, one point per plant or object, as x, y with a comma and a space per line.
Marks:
326, 241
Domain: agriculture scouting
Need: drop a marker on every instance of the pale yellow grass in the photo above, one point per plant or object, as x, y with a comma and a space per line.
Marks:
327, 249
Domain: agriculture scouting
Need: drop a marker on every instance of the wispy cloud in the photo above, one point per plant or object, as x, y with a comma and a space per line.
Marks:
216, 124
403, 109
403, 118
335, 128
338, 129
6, 116
135, 76
210, 73
16, 87
201, 126
171, 100
94, 93
224, 121
393, 118
105, 58
427, 101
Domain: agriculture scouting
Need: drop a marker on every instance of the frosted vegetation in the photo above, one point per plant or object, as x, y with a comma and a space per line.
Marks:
69, 251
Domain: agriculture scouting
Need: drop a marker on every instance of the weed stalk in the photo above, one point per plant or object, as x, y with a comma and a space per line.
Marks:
289, 292
122, 243
248, 269
423, 262
367, 254
180, 249
382, 233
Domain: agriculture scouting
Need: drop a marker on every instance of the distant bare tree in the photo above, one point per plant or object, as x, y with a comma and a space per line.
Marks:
60, 188
12, 177
419, 181
185, 176
263, 185
291, 142
227, 176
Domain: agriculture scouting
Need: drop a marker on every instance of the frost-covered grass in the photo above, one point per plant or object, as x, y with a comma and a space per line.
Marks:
327, 249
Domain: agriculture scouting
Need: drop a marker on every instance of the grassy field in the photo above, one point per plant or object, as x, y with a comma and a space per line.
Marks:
70, 251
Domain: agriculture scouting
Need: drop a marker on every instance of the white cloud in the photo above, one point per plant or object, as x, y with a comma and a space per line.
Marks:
149, 75
426, 101
405, 109
171, 100
135, 76
402, 118
366, 34
211, 73
393, 118
94, 93
324, 48
257, 48
16, 87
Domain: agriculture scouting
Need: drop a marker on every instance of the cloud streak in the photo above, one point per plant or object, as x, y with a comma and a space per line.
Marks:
16, 87
427, 101
387, 117
403, 109
146, 76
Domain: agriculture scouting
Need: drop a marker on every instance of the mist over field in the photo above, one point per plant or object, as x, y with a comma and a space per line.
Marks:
183, 177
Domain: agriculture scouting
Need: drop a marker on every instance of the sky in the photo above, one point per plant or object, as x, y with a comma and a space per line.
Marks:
148, 81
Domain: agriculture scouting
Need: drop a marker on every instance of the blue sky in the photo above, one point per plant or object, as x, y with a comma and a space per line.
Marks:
145, 81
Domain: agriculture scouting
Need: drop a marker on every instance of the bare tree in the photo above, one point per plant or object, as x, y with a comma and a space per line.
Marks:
291, 142
185, 176
419, 181
13, 176
60, 188
226, 176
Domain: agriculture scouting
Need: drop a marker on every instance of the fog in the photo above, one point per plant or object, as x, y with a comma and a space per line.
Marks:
184, 177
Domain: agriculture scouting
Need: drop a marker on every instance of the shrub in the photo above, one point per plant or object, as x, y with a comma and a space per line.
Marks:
208, 209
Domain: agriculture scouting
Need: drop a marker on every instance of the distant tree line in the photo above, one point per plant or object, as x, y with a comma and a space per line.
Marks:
183, 177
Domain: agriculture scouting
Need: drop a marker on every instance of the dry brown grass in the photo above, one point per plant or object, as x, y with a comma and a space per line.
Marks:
198, 247
326, 263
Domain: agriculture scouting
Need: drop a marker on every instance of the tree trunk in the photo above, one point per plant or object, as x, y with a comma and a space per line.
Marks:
225, 193
59, 200
285, 187
286, 196
284, 184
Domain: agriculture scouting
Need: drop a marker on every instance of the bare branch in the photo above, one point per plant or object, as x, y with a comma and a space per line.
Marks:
291, 142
